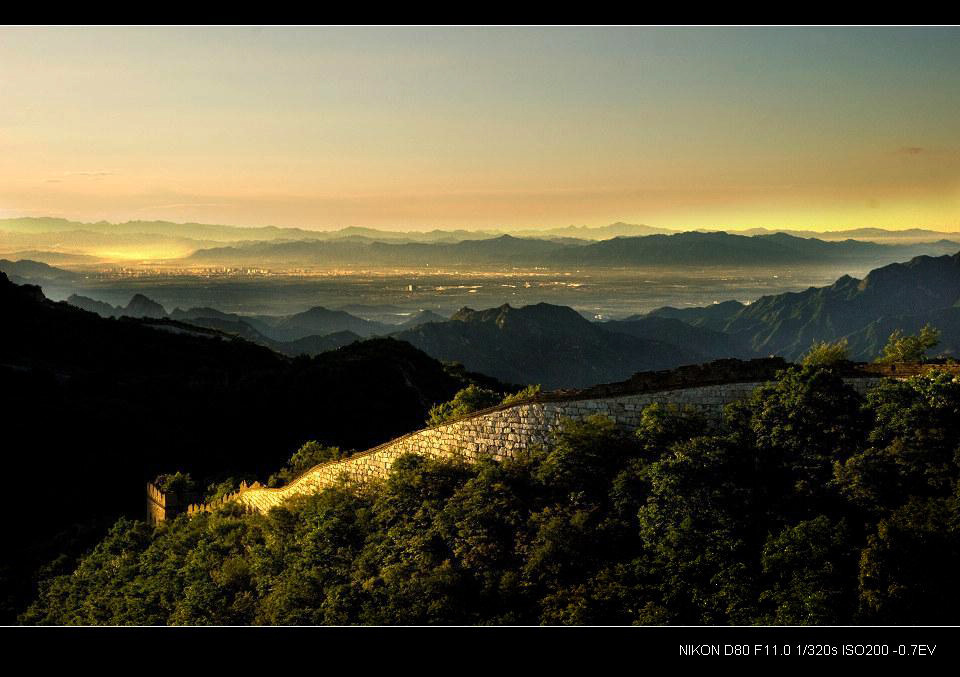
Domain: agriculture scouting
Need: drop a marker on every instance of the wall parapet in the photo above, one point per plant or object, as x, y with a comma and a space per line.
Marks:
504, 430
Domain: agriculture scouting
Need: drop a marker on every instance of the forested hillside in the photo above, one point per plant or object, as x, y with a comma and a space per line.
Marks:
809, 505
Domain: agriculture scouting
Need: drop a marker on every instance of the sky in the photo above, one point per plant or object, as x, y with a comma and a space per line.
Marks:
421, 128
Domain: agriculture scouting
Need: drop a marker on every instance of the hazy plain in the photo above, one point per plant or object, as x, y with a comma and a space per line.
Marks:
393, 295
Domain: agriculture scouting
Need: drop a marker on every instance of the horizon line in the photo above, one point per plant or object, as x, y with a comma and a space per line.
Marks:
498, 229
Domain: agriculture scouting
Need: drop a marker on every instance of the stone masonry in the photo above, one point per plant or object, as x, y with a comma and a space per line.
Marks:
505, 431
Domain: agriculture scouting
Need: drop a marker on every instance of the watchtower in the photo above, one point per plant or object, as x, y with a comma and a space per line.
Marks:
163, 505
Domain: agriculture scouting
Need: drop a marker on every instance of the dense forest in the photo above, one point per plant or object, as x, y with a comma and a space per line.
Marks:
808, 504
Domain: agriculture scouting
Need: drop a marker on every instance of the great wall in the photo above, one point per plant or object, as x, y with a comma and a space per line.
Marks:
504, 431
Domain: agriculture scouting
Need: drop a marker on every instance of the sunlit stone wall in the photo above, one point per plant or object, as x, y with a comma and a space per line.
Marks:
501, 434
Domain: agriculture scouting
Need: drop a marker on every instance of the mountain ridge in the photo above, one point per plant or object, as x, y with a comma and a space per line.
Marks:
676, 249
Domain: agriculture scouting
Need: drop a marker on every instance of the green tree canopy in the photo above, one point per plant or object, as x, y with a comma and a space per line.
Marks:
466, 401
910, 348
312, 453
826, 354
178, 483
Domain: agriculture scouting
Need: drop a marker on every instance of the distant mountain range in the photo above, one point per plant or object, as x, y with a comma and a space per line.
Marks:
139, 306
25, 270
681, 249
899, 295
906, 235
311, 332
226, 233
557, 347
63, 242
554, 345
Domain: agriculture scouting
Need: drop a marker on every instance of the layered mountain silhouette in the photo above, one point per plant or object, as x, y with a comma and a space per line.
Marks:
422, 317
679, 249
547, 344
720, 248
714, 316
139, 306
551, 345
309, 333
557, 347
319, 321
701, 343
900, 295
227, 233
27, 271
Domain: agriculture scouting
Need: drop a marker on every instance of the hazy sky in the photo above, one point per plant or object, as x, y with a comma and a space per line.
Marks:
483, 127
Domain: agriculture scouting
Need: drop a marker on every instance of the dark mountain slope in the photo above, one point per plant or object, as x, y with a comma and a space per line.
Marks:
551, 345
309, 333
34, 271
314, 345
786, 324
94, 407
138, 306
233, 327
900, 295
706, 249
713, 317
422, 317
141, 306
203, 312
321, 321
700, 343
93, 306
868, 342
502, 249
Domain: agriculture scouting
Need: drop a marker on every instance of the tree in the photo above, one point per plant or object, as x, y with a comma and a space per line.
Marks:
309, 455
178, 484
661, 425
802, 424
913, 348
825, 354
908, 569
912, 443
466, 401
810, 567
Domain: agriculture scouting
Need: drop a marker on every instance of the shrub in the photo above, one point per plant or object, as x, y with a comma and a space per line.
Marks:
527, 393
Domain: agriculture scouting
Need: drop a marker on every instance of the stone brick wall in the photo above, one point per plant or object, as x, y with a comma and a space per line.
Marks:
500, 434
504, 431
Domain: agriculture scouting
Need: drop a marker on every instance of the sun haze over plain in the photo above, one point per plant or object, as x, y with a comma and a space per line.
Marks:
420, 128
